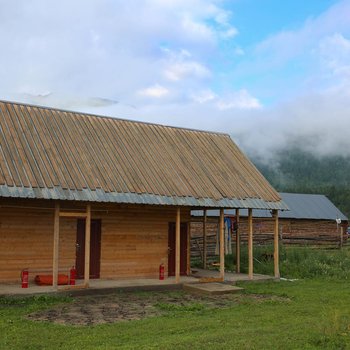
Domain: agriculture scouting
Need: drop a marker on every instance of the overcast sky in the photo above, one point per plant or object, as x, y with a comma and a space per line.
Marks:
269, 72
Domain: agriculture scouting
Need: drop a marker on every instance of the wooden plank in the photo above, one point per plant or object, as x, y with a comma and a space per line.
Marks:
87, 245
250, 243
75, 157
188, 250
169, 159
44, 137
238, 243
222, 245
73, 214
341, 236
177, 245
56, 237
37, 163
125, 251
204, 238
42, 155
276, 245
105, 167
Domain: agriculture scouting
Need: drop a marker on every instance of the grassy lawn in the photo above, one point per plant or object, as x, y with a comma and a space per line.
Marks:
310, 313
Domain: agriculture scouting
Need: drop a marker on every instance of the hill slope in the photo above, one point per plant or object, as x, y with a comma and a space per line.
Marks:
297, 171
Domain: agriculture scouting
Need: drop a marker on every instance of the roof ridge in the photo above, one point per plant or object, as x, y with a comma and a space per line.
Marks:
114, 118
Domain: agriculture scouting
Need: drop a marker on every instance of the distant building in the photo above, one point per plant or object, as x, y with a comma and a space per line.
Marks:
310, 220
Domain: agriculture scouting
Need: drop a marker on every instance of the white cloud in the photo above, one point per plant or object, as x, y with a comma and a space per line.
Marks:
204, 96
335, 55
229, 33
155, 91
182, 70
239, 100
156, 60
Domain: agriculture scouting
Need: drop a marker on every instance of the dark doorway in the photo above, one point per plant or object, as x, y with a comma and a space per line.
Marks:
171, 249
95, 248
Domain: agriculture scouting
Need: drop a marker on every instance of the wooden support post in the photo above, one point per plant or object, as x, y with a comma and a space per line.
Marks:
87, 246
276, 245
56, 238
188, 249
204, 238
222, 245
177, 246
341, 236
238, 244
250, 243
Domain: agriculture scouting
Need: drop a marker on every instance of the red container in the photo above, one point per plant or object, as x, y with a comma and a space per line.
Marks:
46, 280
72, 276
25, 278
161, 272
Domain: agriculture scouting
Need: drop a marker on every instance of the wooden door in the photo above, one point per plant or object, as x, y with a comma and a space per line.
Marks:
95, 249
171, 249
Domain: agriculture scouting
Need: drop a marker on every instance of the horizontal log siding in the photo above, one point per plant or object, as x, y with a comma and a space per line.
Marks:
26, 241
292, 231
134, 239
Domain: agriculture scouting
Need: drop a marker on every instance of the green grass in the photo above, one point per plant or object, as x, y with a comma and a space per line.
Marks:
312, 313
295, 262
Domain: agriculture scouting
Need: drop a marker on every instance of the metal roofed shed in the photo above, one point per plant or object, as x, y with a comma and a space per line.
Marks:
311, 219
301, 206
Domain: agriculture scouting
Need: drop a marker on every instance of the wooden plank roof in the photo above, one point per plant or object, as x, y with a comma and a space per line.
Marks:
56, 154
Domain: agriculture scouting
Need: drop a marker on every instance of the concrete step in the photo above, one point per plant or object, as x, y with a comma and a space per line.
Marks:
211, 288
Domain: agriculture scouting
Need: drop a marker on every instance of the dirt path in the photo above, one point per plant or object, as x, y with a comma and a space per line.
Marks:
92, 310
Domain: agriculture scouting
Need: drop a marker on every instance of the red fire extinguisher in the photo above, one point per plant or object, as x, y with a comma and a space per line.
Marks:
72, 276
161, 271
24, 278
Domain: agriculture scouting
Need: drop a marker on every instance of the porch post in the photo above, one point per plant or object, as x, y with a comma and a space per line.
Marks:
238, 244
188, 271
56, 238
275, 244
250, 243
177, 246
204, 238
341, 236
87, 246
222, 245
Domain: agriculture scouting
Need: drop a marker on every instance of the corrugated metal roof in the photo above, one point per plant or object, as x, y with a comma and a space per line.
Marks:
55, 154
301, 206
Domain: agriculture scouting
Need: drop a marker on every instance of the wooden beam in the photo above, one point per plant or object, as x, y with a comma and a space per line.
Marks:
222, 245
250, 243
238, 244
56, 238
73, 214
87, 246
276, 245
204, 238
188, 250
177, 245
341, 236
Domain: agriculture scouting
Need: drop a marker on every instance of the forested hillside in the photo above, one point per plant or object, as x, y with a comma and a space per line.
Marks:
297, 171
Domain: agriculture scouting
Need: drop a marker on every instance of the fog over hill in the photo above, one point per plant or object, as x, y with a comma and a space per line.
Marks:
299, 171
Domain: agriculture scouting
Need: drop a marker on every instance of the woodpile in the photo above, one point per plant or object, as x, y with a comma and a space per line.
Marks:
292, 231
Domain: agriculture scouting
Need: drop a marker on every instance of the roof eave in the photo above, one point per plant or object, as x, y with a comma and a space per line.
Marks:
100, 196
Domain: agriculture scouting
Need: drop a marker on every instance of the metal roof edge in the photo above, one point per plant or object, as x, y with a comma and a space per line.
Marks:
100, 196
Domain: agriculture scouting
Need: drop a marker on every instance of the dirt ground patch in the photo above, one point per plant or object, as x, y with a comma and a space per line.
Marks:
93, 310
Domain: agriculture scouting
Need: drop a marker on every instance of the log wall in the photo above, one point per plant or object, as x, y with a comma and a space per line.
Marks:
134, 239
292, 231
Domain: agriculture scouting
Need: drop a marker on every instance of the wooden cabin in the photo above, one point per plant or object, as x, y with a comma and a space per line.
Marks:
312, 219
112, 197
